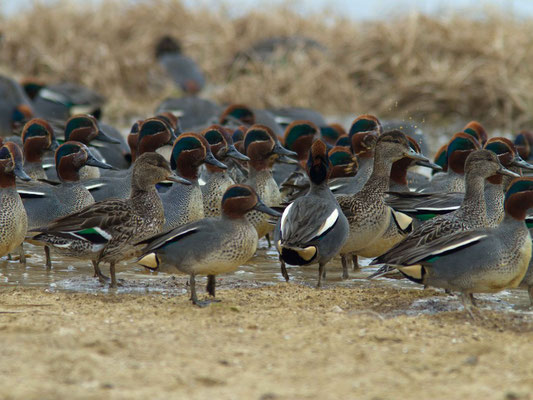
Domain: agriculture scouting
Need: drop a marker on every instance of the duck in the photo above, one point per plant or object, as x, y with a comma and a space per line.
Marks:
459, 147
37, 138
195, 113
46, 202
264, 149
152, 135
332, 132
107, 231
313, 228
217, 179
210, 246
522, 142
366, 211
13, 103
476, 130
483, 260
363, 136
85, 128
472, 214
298, 137
14, 221
185, 204
235, 115
185, 73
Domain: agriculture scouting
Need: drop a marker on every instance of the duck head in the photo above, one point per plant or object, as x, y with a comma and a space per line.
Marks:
84, 128
151, 168
190, 151
37, 137
240, 199
299, 136
508, 156
365, 123
343, 163
523, 142
331, 133
344, 141
459, 147
519, 198
394, 145
485, 163
399, 168
153, 134
172, 121
222, 146
11, 161
71, 156
238, 113
20, 115
263, 148
318, 167
475, 129
441, 158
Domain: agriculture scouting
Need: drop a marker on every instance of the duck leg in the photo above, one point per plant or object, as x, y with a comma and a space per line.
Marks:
345, 273
267, 236
321, 273
284, 272
530, 291
113, 275
355, 262
98, 273
194, 298
468, 304
48, 258
210, 288
22, 256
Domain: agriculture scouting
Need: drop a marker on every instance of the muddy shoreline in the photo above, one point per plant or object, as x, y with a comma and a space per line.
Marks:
281, 341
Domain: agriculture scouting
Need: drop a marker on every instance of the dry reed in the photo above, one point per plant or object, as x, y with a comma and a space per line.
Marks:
431, 69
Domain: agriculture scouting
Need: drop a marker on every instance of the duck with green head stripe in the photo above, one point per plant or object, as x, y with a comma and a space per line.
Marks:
37, 138
218, 179
210, 246
484, 260
458, 149
185, 204
263, 149
107, 231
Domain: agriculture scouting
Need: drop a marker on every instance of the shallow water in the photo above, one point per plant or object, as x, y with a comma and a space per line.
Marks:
77, 276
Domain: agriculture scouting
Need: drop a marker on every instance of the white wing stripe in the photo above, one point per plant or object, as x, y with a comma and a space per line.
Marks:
329, 222
284, 217
456, 245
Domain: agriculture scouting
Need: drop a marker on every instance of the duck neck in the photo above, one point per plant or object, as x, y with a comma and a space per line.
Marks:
378, 182
7, 180
494, 198
146, 201
473, 205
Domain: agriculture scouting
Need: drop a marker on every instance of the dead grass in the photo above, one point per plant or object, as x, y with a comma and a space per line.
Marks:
430, 69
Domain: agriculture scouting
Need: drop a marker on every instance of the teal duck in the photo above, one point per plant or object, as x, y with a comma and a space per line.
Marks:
37, 138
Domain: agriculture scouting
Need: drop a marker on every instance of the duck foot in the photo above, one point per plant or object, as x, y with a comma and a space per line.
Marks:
284, 272
98, 273
48, 258
345, 273
470, 307
194, 298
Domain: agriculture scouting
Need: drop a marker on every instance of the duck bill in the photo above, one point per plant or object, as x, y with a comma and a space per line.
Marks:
235, 154
429, 164
505, 171
286, 160
210, 159
94, 162
282, 151
521, 163
20, 173
178, 179
260, 206
104, 137
415, 156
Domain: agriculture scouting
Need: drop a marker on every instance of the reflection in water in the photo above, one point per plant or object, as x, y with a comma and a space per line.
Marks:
263, 269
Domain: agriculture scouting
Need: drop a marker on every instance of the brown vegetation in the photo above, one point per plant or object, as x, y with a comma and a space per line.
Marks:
431, 69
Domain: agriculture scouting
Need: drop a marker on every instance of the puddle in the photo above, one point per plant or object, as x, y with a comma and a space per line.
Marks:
77, 276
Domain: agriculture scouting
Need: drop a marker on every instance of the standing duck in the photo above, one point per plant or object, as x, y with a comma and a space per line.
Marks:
366, 211
37, 138
218, 179
185, 204
14, 222
210, 246
484, 260
313, 228
107, 231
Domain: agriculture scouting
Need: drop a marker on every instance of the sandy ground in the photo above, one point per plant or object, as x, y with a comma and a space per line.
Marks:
279, 342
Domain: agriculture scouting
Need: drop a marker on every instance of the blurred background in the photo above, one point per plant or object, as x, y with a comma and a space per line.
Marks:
435, 63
